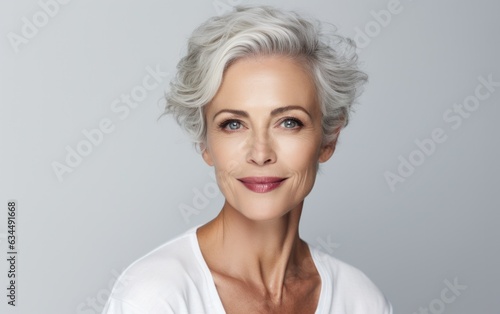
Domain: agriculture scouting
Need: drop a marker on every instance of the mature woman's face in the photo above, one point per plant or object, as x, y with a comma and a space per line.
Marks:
264, 136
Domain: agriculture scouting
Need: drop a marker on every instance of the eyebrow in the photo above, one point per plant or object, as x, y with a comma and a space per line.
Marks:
275, 112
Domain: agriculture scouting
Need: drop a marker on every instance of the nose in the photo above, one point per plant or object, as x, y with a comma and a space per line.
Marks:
261, 150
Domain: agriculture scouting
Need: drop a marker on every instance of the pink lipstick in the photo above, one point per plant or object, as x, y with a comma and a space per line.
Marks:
261, 184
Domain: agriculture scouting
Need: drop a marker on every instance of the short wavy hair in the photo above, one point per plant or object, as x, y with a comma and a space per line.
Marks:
257, 31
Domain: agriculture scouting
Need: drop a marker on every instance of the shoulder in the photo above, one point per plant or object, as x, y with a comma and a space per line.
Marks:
158, 278
352, 291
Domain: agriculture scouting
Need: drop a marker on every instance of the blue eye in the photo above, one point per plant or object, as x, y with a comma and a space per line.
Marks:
230, 125
291, 123
234, 125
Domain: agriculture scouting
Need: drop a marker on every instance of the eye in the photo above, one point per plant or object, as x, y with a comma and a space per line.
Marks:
231, 125
291, 123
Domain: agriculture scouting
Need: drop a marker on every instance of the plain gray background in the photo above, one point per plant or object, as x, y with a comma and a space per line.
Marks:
439, 223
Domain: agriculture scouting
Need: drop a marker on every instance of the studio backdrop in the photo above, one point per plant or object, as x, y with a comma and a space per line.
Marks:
91, 179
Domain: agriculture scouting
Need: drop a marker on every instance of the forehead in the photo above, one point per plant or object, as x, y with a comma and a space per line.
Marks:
266, 82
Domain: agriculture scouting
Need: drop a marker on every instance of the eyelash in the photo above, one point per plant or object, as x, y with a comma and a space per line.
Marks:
297, 121
224, 124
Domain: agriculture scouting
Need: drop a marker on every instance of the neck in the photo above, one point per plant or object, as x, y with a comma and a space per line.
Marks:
260, 253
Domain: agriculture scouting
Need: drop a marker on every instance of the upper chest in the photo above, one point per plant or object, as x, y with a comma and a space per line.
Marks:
298, 296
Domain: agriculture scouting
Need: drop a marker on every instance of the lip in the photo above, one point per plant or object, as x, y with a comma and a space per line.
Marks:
262, 184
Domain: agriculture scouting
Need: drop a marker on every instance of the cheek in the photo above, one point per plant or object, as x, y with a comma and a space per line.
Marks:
226, 156
226, 152
299, 152
300, 157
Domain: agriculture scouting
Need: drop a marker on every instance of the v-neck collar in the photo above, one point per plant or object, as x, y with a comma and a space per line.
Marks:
324, 295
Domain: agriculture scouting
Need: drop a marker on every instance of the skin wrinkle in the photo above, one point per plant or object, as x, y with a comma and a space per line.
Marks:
252, 247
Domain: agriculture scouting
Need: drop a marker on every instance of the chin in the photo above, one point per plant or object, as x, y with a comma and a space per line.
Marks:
264, 211
261, 216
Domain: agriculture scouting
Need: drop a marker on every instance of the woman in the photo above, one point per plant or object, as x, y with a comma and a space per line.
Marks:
265, 100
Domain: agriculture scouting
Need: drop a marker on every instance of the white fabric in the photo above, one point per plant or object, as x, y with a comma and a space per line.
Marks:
174, 278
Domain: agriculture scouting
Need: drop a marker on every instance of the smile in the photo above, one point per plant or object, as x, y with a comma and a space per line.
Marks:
262, 184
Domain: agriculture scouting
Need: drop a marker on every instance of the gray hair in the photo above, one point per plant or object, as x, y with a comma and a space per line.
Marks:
264, 30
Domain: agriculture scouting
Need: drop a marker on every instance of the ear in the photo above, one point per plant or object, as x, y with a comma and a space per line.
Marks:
205, 153
329, 148
327, 151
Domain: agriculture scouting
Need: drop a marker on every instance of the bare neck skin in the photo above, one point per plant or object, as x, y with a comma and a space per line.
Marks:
262, 254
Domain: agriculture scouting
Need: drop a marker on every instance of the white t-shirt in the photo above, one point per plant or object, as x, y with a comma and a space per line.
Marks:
174, 278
